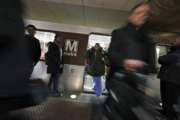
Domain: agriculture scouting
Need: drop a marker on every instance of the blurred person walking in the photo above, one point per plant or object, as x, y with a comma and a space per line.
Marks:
129, 54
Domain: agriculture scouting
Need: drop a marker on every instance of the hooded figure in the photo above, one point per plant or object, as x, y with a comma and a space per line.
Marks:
95, 62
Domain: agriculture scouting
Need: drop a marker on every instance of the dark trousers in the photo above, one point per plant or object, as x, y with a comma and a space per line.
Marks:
54, 82
169, 96
163, 84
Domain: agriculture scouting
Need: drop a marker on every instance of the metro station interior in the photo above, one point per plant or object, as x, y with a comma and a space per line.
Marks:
82, 24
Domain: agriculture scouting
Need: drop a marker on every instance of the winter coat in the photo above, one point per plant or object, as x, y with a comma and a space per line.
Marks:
128, 43
95, 61
53, 61
34, 49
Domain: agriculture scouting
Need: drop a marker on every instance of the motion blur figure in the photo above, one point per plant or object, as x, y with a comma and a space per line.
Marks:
14, 63
16, 91
129, 53
169, 79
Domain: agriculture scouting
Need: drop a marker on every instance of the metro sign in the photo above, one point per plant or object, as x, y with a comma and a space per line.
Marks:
71, 47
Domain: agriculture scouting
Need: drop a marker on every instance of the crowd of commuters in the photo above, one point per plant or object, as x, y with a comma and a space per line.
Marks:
128, 60
53, 57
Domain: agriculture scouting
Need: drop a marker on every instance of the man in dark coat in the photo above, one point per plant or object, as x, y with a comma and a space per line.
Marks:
169, 79
95, 62
34, 45
128, 53
54, 61
129, 47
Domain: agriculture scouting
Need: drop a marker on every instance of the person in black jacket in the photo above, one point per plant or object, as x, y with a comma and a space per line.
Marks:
129, 52
169, 79
54, 61
34, 45
129, 47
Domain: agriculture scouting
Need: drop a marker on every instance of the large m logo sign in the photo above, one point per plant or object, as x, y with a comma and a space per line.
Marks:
71, 47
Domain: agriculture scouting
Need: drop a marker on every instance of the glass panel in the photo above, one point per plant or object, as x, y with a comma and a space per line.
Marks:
103, 40
160, 51
44, 38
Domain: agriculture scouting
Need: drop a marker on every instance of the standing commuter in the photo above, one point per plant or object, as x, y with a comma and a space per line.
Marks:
96, 66
54, 61
34, 45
